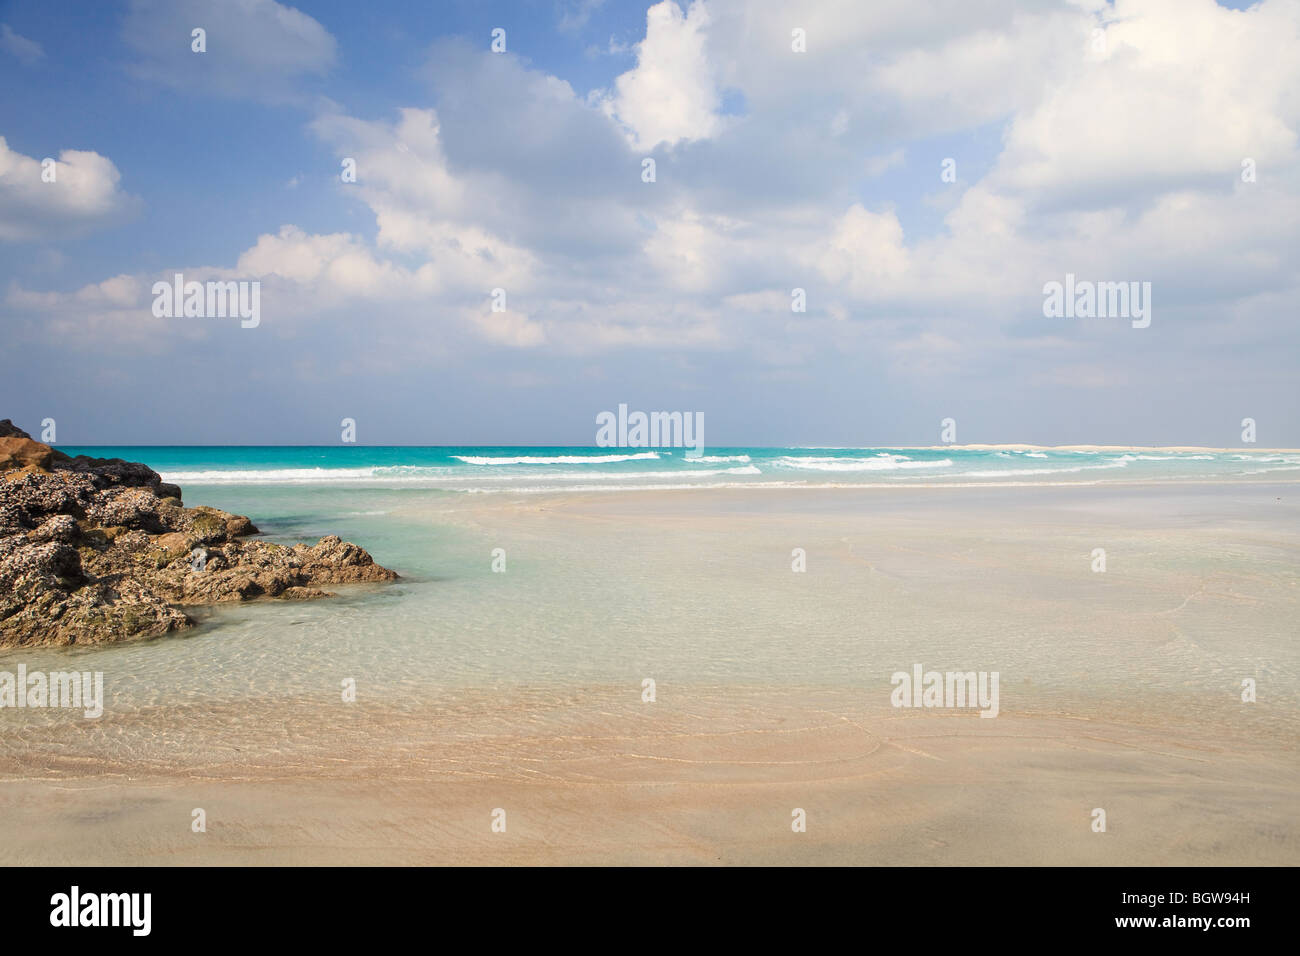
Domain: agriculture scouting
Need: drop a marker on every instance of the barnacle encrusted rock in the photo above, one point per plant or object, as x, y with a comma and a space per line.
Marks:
96, 550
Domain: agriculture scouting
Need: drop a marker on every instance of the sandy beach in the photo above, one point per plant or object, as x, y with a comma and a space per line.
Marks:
1120, 691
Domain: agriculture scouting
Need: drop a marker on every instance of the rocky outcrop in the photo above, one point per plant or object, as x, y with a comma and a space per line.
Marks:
96, 550
22, 452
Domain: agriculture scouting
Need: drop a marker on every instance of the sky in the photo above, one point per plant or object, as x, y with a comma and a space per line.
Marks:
922, 171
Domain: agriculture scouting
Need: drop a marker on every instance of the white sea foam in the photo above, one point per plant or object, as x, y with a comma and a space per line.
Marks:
558, 459
1260, 471
879, 463
258, 476
1173, 457
628, 475
1017, 472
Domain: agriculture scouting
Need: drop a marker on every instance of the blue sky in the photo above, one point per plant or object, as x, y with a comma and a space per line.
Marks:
1102, 140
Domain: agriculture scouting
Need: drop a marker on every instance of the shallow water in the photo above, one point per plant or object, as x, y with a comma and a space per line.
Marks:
1200, 592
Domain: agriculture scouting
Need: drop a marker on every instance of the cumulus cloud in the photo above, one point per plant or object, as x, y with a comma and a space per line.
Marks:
69, 196
1179, 94
670, 95
420, 206
333, 267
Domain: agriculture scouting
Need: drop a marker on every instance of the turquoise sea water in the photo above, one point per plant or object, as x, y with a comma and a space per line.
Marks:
534, 469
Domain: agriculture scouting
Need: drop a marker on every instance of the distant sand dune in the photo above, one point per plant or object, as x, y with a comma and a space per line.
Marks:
1120, 448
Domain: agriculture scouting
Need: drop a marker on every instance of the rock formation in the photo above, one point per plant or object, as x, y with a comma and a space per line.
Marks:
94, 550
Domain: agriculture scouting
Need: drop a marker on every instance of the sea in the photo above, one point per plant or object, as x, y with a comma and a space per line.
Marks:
533, 469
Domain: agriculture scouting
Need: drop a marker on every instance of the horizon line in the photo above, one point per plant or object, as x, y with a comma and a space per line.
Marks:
974, 446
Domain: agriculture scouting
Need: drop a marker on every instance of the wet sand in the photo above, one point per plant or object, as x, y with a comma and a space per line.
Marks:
660, 783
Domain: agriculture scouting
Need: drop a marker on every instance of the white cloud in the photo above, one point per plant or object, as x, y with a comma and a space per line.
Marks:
510, 328
1183, 92
865, 253
331, 267
420, 207
686, 249
670, 95
84, 195
115, 311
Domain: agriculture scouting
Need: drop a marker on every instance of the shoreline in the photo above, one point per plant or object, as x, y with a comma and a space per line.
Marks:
372, 484
1013, 446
